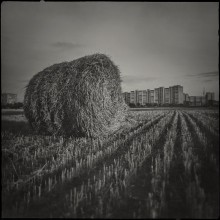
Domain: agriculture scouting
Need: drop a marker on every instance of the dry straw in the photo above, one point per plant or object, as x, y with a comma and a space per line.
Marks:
80, 98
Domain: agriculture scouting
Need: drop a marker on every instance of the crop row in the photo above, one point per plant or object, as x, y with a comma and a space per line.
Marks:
206, 121
201, 163
145, 195
183, 175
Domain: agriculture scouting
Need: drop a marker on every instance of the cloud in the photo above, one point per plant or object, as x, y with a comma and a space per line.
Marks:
137, 79
208, 80
66, 45
205, 75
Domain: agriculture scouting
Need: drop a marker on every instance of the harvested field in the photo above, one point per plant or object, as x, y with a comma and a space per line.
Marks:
160, 164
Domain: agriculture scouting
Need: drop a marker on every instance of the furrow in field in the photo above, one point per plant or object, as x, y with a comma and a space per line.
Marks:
212, 125
138, 198
205, 137
202, 163
174, 202
194, 194
70, 172
214, 115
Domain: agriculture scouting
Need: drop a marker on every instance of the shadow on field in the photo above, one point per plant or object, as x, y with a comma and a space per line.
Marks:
16, 127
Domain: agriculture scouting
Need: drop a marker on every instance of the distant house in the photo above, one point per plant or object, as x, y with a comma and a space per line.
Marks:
8, 98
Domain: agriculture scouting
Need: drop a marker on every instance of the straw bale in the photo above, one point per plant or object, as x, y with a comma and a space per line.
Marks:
80, 98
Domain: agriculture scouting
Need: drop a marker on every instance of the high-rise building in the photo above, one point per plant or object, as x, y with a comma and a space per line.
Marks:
144, 97
176, 94
140, 97
126, 96
134, 97
161, 95
151, 96
148, 97
171, 95
156, 95
8, 98
167, 95
136, 92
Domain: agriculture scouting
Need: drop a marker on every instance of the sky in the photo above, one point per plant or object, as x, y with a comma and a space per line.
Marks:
154, 44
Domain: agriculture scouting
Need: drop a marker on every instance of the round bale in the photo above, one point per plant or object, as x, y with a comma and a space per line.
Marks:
81, 98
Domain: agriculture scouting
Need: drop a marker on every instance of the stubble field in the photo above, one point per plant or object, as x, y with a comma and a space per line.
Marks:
165, 164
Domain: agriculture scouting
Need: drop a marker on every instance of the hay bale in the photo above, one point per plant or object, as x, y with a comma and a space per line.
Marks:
80, 98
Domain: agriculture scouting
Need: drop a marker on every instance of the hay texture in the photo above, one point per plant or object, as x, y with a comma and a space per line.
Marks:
81, 98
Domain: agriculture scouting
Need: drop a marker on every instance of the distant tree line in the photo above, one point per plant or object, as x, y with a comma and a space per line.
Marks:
210, 103
16, 105
138, 105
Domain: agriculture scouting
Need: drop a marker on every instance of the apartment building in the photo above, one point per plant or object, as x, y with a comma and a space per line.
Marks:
127, 97
134, 98
148, 97
156, 95
140, 97
161, 95
172, 95
144, 99
167, 96
151, 96
176, 94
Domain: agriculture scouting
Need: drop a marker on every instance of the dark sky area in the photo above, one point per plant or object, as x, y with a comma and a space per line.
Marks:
154, 44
